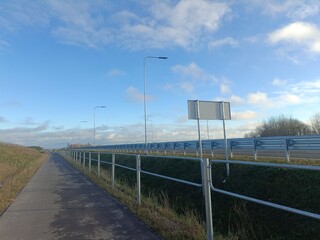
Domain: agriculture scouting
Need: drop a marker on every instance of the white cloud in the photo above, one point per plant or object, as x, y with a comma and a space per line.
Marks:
187, 87
14, 14
307, 88
82, 23
281, 99
25, 135
193, 76
222, 42
289, 98
236, 100
258, 98
304, 92
94, 24
293, 9
225, 88
244, 115
183, 23
302, 34
194, 71
279, 82
134, 94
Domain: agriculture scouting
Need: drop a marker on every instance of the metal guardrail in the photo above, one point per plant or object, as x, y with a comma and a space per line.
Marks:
206, 178
285, 144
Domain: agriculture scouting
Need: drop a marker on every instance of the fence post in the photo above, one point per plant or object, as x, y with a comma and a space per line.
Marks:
98, 164
138, 169
206, 180
84, 159
113, 170
90, 162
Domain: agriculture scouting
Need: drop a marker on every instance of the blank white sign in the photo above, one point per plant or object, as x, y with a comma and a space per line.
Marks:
208, 110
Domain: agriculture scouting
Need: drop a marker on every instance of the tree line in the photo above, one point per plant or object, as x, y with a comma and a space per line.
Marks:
286, 126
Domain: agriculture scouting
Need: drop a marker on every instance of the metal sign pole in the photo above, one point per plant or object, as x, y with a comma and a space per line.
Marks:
199, 132
225, 136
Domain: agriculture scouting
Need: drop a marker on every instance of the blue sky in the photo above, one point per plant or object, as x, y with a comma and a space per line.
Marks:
59, 59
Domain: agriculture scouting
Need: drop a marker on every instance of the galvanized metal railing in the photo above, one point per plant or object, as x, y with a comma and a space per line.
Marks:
284, 146
206, 180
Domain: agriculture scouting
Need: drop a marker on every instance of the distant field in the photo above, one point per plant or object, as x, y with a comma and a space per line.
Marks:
17, 165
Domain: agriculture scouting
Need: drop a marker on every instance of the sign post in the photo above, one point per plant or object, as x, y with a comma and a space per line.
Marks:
210, 110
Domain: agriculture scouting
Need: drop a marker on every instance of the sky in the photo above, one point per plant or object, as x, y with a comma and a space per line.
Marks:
59, 59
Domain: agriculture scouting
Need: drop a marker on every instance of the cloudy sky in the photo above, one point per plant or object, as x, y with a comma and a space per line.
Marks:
60, 59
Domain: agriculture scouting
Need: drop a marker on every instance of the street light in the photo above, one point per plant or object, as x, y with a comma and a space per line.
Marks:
94, 124
144, 97
79, 130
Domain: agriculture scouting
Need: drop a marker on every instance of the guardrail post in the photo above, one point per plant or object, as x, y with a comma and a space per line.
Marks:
84, 159
206, 180
90, 162
211, 149
113, 170
197, 151
287, 144
231, 149
184, 149
138, 169
98, 164
255, 149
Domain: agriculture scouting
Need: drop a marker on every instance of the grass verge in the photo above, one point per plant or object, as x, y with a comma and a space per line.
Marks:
17, 166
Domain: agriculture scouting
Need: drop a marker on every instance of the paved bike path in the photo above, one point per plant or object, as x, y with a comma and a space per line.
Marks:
60, 203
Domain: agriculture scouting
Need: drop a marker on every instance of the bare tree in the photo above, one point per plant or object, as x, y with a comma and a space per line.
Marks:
315, 123
282, 126
251, 134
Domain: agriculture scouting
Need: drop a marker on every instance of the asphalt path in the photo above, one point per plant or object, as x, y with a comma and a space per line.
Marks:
60, 203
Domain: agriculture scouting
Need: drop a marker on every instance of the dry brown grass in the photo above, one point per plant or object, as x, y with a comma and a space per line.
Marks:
17, 166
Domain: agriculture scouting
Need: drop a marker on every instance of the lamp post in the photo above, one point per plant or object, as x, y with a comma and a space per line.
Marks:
79, 130
144, 97
94, 124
